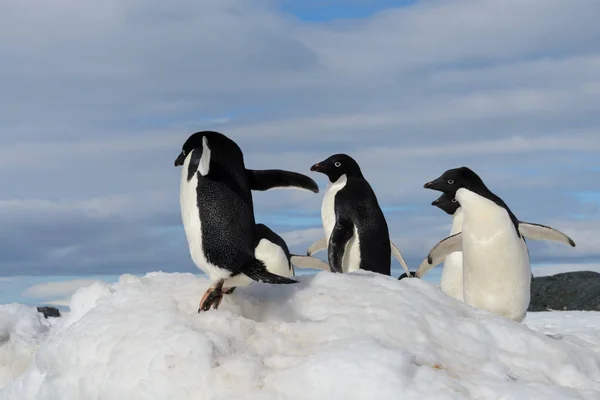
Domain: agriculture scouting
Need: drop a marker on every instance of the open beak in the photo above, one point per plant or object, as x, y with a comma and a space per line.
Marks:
180, 159
316, 168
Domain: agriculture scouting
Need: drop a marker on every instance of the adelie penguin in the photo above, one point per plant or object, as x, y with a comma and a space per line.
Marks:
218, 213
451, 281
271, 249
496, 269
356, 231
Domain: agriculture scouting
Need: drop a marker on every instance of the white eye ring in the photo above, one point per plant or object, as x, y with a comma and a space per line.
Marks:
450, 181
183, 152
338, 164
454, 200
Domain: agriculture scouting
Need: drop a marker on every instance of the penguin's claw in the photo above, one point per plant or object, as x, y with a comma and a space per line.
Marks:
212, 298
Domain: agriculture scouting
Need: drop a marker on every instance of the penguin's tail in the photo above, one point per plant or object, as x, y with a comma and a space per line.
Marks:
257, 271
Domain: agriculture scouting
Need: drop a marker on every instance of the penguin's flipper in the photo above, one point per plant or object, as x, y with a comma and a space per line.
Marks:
309, 262
396, 253
342, 233
317, 246
257, 271
543, 232
276, 178
439, 252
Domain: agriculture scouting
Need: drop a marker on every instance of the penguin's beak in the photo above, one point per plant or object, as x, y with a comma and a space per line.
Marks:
180, 159
317, 167
435, 202
434, 184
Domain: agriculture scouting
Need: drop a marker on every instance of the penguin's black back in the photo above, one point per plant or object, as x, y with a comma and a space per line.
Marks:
357, 202
225, 207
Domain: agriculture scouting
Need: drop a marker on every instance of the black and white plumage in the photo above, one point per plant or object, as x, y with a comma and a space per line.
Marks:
496, 269
217, 210
272, 250
356, 231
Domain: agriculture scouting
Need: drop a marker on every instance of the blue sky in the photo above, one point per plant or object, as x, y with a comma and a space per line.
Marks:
95, 108
332, 10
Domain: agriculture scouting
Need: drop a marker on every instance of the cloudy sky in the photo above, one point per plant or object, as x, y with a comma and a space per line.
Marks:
97, 98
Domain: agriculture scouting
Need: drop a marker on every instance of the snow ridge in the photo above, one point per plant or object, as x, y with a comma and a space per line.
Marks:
347, 336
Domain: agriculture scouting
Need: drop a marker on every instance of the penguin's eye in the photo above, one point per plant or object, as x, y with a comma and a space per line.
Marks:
183, 152
338, 164
450, 181
454, 200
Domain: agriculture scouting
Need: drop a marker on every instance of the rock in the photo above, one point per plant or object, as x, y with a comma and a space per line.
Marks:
568, 291
49, 311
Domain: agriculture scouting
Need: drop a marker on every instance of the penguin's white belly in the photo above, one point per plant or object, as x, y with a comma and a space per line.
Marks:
328, 206
451, 282
496, 268
452, 276
192, 225
274, 259
351, 259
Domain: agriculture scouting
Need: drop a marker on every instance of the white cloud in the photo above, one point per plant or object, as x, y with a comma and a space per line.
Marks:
57, 289
303, 236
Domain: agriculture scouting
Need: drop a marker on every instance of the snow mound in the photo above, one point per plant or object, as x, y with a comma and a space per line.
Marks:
340, 336
22, 329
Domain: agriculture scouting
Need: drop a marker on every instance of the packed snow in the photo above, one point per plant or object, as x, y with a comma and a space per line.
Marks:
331, 336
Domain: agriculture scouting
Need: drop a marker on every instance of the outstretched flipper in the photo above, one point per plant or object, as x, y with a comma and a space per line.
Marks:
276, 178
439, 252
543, 232
317, 246
257, 271
309, 262
396, 253
342, 233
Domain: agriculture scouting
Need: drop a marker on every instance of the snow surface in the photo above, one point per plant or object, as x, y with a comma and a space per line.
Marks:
22, 329
332, 336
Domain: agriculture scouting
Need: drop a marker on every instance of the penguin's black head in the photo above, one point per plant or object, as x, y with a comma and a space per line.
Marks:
454, 179
211, 140
446, 203
336, 166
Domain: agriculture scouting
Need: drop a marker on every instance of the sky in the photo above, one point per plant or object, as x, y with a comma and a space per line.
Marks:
97, 99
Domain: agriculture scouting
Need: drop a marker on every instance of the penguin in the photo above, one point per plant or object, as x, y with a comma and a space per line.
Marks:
321, 244
451, 281
355, 228
496, 266
271, 249
218, 213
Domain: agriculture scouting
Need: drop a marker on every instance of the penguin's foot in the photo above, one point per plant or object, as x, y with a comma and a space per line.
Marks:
212, 297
